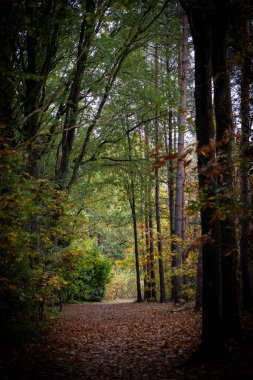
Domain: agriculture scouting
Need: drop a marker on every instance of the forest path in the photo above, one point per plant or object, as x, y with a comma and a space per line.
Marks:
110, 341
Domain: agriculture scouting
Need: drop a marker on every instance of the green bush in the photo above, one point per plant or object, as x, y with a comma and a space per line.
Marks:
32, 229
87, 280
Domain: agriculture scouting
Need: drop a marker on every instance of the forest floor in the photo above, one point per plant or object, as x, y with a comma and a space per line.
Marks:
128, 341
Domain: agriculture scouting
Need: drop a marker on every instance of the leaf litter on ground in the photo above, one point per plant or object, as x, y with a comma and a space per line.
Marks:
130, 341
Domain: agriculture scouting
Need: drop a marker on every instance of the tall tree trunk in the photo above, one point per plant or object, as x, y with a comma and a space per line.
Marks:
159, 240
171, 178
144, 227
157, 198
178, 255
147, 274
170, 185
144, 260
224, 133
151, 278
247, 291
209, 23
131, 191
200, 24
136, 248
152, 282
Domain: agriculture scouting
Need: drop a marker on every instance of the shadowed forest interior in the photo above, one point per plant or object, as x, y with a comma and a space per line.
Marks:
126, 189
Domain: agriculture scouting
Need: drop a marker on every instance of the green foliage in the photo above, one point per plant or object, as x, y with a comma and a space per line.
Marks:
38, 263
30, 231
89, 275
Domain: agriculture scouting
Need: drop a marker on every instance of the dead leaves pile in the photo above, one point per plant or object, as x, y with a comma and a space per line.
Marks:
115, 341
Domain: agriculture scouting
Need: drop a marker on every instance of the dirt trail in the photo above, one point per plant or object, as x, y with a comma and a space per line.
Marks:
116, 341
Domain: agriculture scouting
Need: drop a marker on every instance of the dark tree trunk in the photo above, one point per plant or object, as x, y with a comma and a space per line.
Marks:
224, 133
11, 15
209, 23
199, 281
246, 259
200, 24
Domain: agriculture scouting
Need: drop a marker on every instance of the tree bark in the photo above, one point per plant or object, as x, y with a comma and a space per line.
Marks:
224, 135
152, 281
200, 24
151, 277
171, 178
247, 281
209, 25
157, 198
199, 280
136, 248
178, 254
134, 219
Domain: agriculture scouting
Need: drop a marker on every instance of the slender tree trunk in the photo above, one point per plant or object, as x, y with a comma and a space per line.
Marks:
131, 191
147, 278
170, 187
178, 255
131, 194
144, 261
147, 275
143, 228
159, 240
136, 248
171, 178
157, 198
151, 291
152, 283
